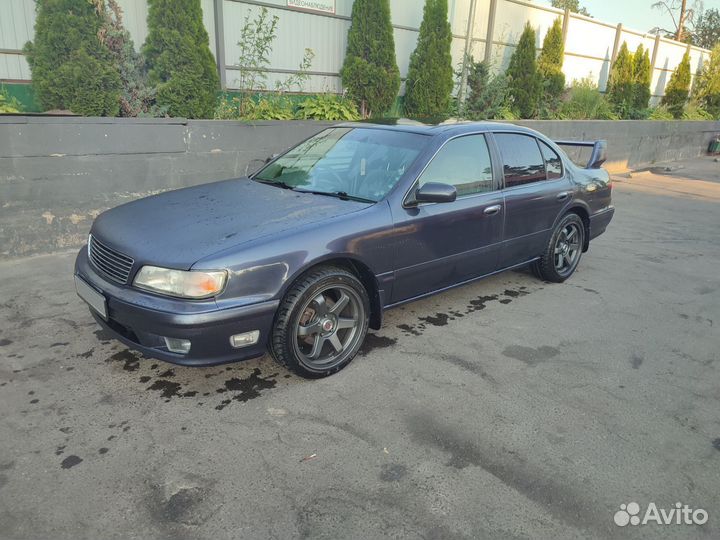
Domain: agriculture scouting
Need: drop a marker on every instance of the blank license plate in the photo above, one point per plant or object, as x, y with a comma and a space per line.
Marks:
93, 298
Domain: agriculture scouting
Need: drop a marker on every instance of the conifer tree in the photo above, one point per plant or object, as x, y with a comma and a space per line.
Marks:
430, 75
621, 84
707, 88
524, 81
550, 62
678, 89
179, 59
642, 76
370, 73
71, 68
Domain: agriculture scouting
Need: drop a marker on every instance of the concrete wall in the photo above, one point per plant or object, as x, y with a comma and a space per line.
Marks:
57, 174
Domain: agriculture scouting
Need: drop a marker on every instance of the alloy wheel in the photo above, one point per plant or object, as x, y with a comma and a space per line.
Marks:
567, 248
328, 326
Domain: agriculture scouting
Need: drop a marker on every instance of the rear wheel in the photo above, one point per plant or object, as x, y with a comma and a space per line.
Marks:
321, 322
563, 252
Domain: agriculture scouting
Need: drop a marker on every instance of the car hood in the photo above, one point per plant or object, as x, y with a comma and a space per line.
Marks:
177, 228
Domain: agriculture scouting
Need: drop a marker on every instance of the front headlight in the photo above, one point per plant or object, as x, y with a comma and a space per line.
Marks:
190, 284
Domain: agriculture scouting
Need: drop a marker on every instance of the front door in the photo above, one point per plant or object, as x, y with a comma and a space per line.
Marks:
442, 244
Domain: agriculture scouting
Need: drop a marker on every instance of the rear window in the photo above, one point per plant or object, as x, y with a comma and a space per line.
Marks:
553, 163
522, 161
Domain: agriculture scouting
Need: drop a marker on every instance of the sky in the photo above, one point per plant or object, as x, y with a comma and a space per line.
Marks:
635, 14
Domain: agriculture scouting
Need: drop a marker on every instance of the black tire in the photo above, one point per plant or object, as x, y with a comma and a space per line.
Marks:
307, 330
562, 254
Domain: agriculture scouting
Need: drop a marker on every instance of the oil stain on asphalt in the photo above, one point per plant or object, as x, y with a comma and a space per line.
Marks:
476, 304
246, 389
131, 362
373, 341
70, 461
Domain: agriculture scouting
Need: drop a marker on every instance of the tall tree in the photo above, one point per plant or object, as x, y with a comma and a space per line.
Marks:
642, 77
430, 75
136, 98
621, 84
681, 16
71, 68
370, 71
181, 65
706, 31
572, 5
487, 95
677, 90
706, 90
550, 61
525, 84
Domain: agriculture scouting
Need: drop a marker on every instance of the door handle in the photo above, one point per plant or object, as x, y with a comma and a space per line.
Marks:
492, 210
562, 195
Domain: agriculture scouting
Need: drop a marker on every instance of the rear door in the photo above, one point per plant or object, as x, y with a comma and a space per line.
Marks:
441, 244
535, 190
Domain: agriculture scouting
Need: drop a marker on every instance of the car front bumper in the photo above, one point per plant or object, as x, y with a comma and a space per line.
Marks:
141, 321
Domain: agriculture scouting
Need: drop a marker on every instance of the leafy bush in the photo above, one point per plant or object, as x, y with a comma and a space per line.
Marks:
256, 39
707, 87
585, 102
488, 97
327, 107
71, 68
525, 85
693, 111
8, 103
272, 107
136, 97
621, 84
678, 89
430, 75
660, 113
256, 42
370, 71
642, 77
178, 53
550, 64
260, 107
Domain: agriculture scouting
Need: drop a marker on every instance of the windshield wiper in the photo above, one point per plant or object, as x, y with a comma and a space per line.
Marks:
274, 183
342, 195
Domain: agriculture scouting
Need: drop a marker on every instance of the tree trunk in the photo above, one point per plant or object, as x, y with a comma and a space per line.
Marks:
681, 22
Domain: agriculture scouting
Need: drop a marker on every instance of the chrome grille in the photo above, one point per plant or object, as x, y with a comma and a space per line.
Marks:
111, 263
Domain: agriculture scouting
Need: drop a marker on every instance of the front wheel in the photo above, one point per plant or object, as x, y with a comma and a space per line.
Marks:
321, 323
563, 252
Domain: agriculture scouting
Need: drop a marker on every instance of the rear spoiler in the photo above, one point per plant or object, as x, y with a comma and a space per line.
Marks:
599, 151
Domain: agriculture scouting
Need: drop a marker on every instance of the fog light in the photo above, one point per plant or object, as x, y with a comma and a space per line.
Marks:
245, 339
180, 346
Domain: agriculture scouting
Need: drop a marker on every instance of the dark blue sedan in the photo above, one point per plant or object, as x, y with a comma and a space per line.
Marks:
306, 254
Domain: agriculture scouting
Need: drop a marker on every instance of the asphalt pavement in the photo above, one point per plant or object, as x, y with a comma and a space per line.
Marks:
509, 408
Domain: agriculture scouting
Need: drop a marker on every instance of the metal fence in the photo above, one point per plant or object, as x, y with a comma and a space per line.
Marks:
486, 29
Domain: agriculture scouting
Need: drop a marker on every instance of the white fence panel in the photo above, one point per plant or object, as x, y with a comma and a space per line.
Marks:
588, 48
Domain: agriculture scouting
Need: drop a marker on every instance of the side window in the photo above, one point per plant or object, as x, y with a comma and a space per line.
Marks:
522, 161
553, 163
464, 163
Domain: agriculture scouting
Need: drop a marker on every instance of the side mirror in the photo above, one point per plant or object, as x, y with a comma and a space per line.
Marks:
435, 192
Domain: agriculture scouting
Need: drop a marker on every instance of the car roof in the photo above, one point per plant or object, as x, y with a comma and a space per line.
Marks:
448, 127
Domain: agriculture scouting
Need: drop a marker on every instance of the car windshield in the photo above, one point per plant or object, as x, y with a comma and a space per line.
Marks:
354, 163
